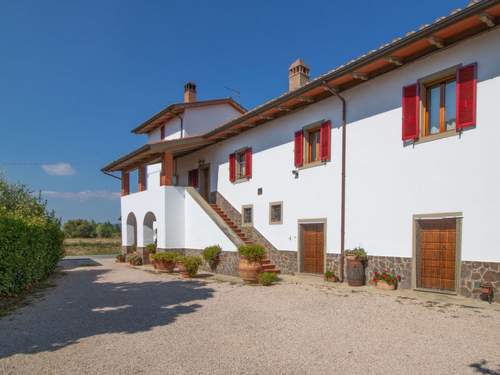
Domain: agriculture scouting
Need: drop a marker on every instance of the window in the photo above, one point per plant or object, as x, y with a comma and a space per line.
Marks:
313, 144
247, 215
193, 178
440, 106
276, 213
240, 164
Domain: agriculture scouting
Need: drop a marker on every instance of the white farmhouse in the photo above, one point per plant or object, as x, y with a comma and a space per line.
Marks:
394, 151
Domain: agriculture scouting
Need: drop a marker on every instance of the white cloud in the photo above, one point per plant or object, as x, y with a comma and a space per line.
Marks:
82, 195
59, 169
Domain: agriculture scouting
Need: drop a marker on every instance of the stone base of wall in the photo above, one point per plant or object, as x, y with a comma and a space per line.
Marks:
286, 261
472, 274
127, 250
228, 264
144, 254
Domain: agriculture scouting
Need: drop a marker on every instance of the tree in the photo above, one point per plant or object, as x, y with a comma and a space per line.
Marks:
80, 228
105, 230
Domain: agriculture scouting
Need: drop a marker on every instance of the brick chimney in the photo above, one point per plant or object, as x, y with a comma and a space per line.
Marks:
189, 92
298, 75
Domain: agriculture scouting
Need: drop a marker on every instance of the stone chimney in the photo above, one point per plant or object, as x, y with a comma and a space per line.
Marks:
298, 75
189, 92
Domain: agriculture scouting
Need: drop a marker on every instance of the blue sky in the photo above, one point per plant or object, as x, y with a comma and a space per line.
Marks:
77, 76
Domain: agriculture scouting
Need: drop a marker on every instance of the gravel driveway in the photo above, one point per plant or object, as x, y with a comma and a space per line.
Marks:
112, 319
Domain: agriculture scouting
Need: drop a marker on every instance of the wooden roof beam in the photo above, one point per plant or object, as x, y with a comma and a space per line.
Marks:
266, 118
436, 42
283, 109
394, 60
305, 99
487, 19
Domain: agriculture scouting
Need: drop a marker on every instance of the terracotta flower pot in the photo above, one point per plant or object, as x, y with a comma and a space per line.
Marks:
183, 271
164, 266
381, 284
249, 271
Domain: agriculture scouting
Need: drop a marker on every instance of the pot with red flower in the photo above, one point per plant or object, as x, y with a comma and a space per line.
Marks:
386, 280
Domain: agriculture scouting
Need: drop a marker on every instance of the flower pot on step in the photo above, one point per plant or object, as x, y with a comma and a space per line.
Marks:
381, 284
249, 271
164, 265
183, 271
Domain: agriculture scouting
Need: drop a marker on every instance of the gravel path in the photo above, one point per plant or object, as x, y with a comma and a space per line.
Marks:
112, 319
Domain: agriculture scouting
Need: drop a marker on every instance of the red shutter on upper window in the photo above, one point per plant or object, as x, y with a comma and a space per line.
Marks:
162, 133
410, 112
466, 96
193, 178
232, 167
299, 148
325, 140
248, 162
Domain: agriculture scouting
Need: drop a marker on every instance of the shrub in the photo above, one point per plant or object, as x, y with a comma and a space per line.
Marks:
166, 257
253, 253
358, 252
31, 241
134, 259
192, 263
151, 248
267, 278
211, 255
120, 258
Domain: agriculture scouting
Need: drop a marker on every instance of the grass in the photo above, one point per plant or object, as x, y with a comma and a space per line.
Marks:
92, 246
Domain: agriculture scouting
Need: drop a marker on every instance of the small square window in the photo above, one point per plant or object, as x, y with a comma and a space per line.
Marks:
247, 215
276, 213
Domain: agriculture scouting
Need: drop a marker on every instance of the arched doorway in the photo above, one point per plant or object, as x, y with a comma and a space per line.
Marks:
149, 229
131, 235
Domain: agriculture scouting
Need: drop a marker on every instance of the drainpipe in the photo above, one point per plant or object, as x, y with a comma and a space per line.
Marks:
342, 183
182, 122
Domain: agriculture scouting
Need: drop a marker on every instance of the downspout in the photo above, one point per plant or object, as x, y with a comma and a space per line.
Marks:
342, 183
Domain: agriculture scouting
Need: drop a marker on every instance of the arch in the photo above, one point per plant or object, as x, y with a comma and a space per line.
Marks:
149, 229
131, 239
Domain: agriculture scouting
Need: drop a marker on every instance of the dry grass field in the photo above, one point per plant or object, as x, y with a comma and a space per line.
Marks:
92, 246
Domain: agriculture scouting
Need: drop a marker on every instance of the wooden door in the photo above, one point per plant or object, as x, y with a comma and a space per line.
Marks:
205, 182
437, 254
313, 248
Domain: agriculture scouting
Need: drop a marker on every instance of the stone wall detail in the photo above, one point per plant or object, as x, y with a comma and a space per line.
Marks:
228, 264
472, 274
399, 265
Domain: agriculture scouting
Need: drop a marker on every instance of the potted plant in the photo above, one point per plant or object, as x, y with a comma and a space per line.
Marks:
151, 250
250, 265
356, 259
211, 254
134, 259
267, 278
165, 261
330, 276
188, 265
120, 258
386, 280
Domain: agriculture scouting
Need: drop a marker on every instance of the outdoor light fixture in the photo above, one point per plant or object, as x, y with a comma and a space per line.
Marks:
295, 173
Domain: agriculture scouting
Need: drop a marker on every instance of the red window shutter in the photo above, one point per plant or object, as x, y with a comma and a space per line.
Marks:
466, 96
248, 162
299, 148
232, 167
162, 133
410, 112
325, 140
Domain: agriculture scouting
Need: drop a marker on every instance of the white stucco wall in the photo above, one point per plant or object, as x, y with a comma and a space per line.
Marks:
387, 183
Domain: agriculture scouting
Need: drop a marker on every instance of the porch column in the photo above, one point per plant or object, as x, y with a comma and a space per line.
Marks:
167, 169
125, 183
142, 178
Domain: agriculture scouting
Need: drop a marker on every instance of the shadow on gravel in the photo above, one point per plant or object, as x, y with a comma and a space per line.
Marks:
480, 368
84, 306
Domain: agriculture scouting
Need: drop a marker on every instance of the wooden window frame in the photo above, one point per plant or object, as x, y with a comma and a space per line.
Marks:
441, 83
243, 223
306, 153
238, 176
271, 205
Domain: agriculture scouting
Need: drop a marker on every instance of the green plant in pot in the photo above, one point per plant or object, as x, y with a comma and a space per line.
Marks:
134, 259
150, 250
165, 261
211, 254
268, 278
330, 276
188, 265
356, 259
251, 257
120, 258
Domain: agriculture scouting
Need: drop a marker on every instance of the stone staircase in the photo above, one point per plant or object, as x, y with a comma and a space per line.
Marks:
267, 265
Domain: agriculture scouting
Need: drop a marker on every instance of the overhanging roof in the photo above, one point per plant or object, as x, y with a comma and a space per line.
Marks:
175, 109
151, 153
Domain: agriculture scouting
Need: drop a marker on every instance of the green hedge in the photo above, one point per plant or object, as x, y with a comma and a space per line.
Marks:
29, 251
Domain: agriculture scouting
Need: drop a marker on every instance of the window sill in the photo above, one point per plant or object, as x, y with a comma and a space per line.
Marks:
276, 222
312, 165
240, 180
435, 137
